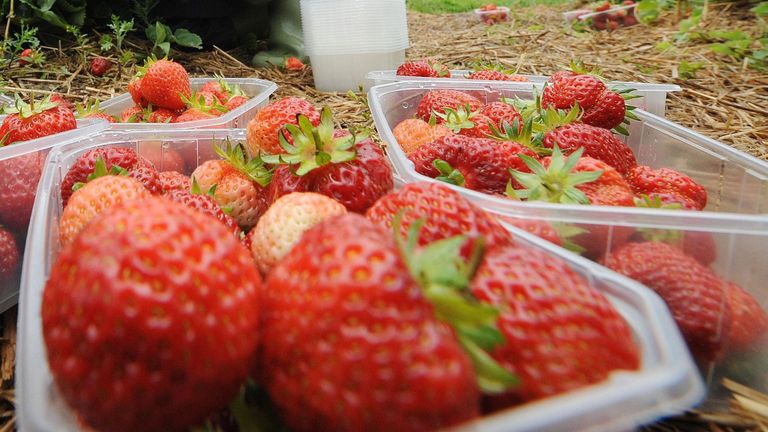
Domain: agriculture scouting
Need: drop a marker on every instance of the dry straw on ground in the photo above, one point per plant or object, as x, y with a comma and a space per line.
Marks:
725, 101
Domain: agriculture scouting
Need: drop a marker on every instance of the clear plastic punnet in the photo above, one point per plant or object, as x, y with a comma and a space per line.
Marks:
732, 230
653, 97
666, 383
5, 101
257, 90
21, 166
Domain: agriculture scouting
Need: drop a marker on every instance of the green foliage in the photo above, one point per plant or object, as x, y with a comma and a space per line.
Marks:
761, 9
688, 70
452, 6
58, 13
162, 37
12, 47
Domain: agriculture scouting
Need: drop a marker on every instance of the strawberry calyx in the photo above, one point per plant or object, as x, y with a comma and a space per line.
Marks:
4, 138
315, 146
654, 234
578, 67
556, 183
567, 232
457, 119
197, 101
552, 118
448, 174
521, 134
626, 94
90, 107
444, 278
27, 110
488, 66
439, 68
655, 201
196, 190
100, 170
253, 167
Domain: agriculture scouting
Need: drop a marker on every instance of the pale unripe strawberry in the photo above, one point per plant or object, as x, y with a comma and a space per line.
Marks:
283, 224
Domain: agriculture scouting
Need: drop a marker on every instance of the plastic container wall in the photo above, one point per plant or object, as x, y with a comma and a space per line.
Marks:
733, 229
21, 166
667, 382
653, 97
257, 90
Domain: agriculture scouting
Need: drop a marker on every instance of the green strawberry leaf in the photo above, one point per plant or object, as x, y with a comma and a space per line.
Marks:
447, 173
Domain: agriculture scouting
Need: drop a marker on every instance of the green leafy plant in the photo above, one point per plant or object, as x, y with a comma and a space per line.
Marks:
26, 37
59, 13
740, 46
120, 29
162, 37
688, 70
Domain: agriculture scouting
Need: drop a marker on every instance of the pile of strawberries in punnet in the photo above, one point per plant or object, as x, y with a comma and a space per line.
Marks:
560, 149
289, 269
492, 14
611, 20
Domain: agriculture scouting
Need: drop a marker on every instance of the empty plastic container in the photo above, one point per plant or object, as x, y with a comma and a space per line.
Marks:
667, 382
735, 221
653, 97
257, 90
21, 165
346, 39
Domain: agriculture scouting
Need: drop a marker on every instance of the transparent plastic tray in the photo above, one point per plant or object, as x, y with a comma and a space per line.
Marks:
735, 219
5, 101
257, 90
653, 97
33, 152
667, 382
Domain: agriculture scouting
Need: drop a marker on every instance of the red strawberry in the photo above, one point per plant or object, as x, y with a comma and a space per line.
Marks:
598, 143
96, 197
25, 57
495, 75
134, 88
200, 106
607, 112
235, 102
165, 84
436, 101
750, 321
195, 114
560, 333
694, 295
557, 76
603, 7
412, 133
145, 306
564, 93
646, 180
91, 110
220, 88
9, 256
26, 122
240, 184
351, 169
194, 199
479, 164
467, 123
500, 113
134, 114
423, 68
137, 166
59, 99
262, 131
294, 64
19, 176
283, 224
100, 66
539, 228
445, 212
350, 343
162, 115
173, 180
162, 156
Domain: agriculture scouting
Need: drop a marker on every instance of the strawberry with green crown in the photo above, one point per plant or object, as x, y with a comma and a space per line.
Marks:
264, 131
412, 133
35, 120
348, 167
427, 68
164, 83
436, 101
91, 109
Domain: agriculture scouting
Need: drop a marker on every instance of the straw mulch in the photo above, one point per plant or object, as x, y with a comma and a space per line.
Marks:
725, 101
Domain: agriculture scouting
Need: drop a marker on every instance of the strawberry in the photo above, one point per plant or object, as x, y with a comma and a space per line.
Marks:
235, 102
200, 106
19, 176
695, 296
294, 64
145, 306
91, 110
100, 66
423, 68
161, 115
350, 343
465, 122
137, 167
283, 224
29, 121
413, 133
564, 93
607, 112
59, 99
560, 333
95, 197
495, 75
173, 180
240, 183
539, 228
436, 101
195, 199
349, 168
9, 256
134, 88
750, 321
598, 143
479, 164
646, 180
165, 84
195, 114
162, 156
220, 88
263, 130
207, 99
25, 56
134, 114
445, 212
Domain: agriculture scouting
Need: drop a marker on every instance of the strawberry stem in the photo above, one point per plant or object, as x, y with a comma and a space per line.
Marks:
447, 173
